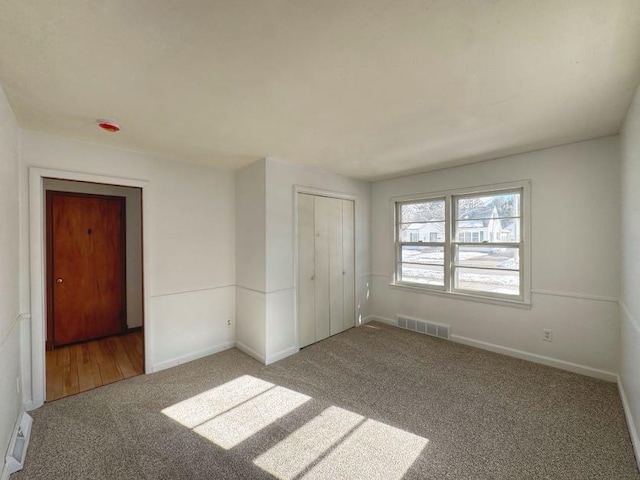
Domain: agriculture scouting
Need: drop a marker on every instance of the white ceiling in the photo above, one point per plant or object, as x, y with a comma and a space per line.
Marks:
365, 88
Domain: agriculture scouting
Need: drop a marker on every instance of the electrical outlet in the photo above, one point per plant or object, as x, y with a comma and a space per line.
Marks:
228, 322
547, 335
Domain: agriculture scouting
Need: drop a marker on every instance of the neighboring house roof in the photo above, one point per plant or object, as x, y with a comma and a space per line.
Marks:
415, 226
484, 212
474, 224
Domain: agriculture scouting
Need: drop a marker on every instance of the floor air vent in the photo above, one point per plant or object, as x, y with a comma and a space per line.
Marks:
19, 443
434, 329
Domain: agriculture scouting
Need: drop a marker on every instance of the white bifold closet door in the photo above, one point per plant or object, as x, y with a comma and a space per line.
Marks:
326, 277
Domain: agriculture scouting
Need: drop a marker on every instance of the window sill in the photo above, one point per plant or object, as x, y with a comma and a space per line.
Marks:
463, 296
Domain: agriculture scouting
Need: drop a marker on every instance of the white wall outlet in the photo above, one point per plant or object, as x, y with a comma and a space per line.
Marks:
228, 322
547, 335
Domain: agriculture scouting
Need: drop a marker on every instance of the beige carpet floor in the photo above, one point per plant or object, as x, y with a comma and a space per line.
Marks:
372, 402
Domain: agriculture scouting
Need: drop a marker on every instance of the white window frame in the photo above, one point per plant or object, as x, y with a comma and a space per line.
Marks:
450, 242
399, 244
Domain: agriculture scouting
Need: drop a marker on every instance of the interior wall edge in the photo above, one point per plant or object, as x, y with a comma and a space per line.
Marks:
181, 292
266, 292
581, 296
281, 355
628, 415
10, 396
174, 362
249, 351
634, 322
25, 360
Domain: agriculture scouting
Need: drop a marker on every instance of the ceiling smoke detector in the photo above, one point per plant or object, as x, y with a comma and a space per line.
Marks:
109, 126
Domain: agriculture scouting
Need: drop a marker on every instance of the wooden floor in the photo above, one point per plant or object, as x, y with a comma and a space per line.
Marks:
83, 366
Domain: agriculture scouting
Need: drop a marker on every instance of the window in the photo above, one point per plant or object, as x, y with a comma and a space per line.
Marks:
421, 262
476, 243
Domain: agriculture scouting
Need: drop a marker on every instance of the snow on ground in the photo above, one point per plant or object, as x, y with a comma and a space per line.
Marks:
422, 275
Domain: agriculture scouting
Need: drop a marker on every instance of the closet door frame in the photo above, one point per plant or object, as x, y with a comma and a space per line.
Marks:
330, 194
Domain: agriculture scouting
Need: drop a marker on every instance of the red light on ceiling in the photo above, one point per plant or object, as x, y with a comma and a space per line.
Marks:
109, 126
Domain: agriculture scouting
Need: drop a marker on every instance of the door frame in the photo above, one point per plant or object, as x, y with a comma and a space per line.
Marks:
122, 232
37, 270
330, 194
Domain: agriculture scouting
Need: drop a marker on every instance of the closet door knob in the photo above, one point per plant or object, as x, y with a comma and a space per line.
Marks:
59, 280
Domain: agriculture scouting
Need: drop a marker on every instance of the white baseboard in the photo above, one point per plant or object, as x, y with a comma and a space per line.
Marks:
5, 473
535, 358
250, 351
281, 354
191, 356
29, 405
633, 433
531, 357
376, 318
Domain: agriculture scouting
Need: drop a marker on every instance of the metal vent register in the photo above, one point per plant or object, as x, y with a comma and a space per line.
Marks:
421, 326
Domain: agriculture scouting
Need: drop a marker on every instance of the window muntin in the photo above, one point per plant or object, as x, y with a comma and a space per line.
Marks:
467, 243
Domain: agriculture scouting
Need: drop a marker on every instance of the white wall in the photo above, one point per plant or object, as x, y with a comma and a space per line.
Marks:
266, 323
251, 259
189, 241
574, 271
630, 251
281, 177
10, 399
133, 216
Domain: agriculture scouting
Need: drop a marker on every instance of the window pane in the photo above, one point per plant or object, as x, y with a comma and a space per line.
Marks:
422, 211
433, 255
488, 206
492, 281
488, 257
424, 274
422, 232
492, 230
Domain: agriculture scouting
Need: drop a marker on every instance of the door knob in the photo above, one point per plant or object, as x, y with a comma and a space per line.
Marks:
59, 280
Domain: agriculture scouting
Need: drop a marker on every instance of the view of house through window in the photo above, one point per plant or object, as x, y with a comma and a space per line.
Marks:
469, 243
422, 260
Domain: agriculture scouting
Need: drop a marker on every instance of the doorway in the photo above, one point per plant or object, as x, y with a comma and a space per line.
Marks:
94, 327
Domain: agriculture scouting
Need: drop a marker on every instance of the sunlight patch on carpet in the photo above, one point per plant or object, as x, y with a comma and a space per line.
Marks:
207, 405
335, 444
304, 446
236, 425
373, 451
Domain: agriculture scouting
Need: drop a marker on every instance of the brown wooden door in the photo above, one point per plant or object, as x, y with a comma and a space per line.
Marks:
86, 267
